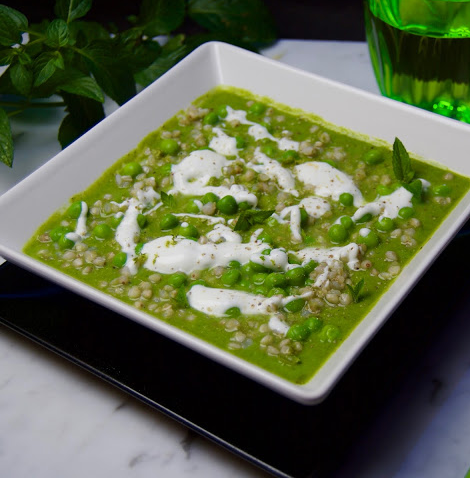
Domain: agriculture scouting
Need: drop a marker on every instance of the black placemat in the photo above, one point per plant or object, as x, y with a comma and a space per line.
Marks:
273, 432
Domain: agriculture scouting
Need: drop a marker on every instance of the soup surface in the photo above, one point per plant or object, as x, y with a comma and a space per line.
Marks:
255, 227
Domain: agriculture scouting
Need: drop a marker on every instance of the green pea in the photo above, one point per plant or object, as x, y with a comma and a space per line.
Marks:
268, 150
383, 190
209, 197
177, 280
261, 290
244, 206
189, 231
371, 240
441, 190
165, 170
303, 216
257, 108
233, 312
276, 291
374, 156
346, 199
75, 209
298, 332
259, 278
310, 266
365, 218
192, 207
405, 212
116, 220
234, 265
309, 240
296, 276
231, 277
265, 237
289, 157
211, 118
120, 259
198, 282
222, 111
337, 233
102, 231
169, 146
132, 169
276, 280
138, 248
346, 222
385, 224
268, 126
65, 243
227, 205
245, 284
141, 220
330, 333
56, 233
295, 305
247, 269
168, 221
255, 267
240, 142
314, 324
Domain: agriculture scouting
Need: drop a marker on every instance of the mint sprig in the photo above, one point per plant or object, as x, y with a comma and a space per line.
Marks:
356, 290
250, 217
167, 199
401, 162
81, 61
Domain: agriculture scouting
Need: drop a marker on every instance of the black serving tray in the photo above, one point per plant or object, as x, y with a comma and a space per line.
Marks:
273, 432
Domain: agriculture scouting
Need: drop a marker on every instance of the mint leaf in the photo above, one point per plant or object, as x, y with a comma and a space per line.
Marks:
111, 74
248, 20
70, 10
57, 33
401, 162
21, 77
6, 56
83, 33
181, 298
6, 140
356, 290
12, 25
45, 65
167, 199
83, 114
83, 86
415, 188
160, 17
249, 218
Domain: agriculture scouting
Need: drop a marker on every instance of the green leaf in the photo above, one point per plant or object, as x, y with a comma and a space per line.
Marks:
415, 188
249, 218
401, 162
57, 34
21, 78
167, 199
12, 25
83, 86
6, 139
70, 10
248, 20
83, 114
356, 290
45, 66
113, 76
6, 56
83, 33
161, 17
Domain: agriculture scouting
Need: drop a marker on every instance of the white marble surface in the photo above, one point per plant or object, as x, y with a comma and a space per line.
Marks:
59, 421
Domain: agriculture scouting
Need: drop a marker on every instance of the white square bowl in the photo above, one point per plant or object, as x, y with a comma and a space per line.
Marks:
25, 207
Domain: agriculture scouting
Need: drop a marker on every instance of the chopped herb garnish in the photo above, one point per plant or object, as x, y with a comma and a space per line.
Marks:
167, 199
356, 290
401, 162
249, 218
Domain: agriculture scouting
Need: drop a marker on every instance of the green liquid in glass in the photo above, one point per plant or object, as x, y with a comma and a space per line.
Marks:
420, 52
